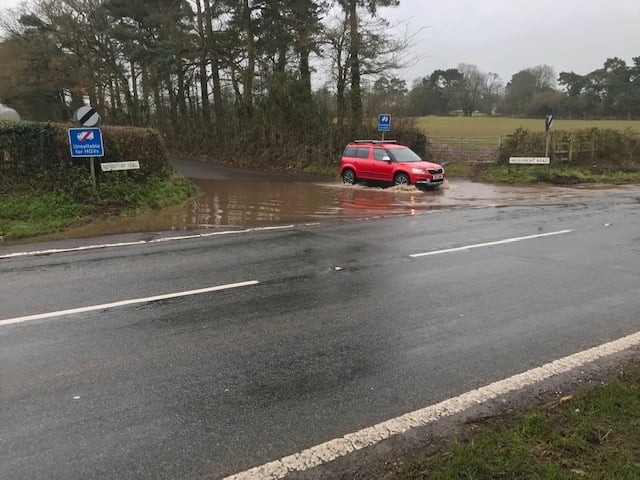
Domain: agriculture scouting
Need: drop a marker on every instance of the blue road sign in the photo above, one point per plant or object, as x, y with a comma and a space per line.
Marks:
384, 122
86, 142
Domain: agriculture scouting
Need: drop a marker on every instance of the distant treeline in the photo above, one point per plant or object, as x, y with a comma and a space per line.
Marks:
611, 92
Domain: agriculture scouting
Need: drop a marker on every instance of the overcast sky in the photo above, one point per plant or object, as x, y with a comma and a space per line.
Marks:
506, 36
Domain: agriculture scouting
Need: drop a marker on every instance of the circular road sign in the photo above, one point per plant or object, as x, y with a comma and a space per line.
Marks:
87, 116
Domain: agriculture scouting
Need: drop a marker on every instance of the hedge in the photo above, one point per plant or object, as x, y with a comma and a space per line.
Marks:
593, 148
31, 151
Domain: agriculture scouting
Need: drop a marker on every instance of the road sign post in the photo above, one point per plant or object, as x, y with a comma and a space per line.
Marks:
384, 123
547, 126
87, 143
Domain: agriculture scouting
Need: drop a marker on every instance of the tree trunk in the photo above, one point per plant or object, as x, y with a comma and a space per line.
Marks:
305, 74
134, 97
354, 64
215, 67
204, 77
247, 99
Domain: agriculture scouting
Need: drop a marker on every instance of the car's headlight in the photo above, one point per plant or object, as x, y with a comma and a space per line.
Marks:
418, 170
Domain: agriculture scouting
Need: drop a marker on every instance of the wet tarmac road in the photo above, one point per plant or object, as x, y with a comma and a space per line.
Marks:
343, 330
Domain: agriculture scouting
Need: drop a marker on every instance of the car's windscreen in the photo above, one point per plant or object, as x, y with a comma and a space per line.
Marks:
403, 155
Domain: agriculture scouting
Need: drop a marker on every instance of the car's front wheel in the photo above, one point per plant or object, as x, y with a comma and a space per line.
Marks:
401, 179
349, 176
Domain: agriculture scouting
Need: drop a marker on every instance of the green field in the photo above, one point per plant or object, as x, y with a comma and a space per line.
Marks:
501, 126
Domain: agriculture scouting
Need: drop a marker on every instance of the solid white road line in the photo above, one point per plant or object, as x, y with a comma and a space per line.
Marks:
333, 449
489, 244
91, 308
140, 242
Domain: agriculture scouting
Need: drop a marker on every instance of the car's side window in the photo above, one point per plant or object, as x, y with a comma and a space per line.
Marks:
379, 153
363, 152
350, 152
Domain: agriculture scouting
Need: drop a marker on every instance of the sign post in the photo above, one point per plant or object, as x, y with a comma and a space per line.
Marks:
384, 123
87, 142
547, 126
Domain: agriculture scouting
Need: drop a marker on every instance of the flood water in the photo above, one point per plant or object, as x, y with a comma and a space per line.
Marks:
236, 198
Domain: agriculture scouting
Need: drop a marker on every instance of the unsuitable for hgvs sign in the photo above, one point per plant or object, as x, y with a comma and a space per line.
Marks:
86, 142
384, 122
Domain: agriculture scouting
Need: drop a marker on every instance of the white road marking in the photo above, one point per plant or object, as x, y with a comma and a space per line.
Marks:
489, 244
333, 449
104, 306
139, 242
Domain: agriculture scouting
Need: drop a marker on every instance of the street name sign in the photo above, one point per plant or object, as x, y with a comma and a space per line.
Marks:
529, 160
86, 142
111, 166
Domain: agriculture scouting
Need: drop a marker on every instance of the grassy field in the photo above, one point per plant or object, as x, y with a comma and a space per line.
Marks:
500, 126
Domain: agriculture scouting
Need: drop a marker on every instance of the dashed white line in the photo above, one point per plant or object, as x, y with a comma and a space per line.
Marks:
140, 242
333, 449
489, 244
104, 306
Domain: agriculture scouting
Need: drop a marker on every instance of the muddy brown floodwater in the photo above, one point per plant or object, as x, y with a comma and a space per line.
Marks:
245, 199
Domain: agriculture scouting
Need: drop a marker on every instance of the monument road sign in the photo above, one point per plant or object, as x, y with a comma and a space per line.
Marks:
529, 160
111, 166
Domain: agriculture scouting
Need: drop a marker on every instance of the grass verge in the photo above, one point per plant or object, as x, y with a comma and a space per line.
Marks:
594, 434
529, 174
33, 212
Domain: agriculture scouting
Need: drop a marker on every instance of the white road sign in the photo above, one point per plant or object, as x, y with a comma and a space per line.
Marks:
529, 160
110, 166
87, 116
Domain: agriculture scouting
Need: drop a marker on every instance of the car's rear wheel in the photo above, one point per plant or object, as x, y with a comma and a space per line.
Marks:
401, 179
349, 176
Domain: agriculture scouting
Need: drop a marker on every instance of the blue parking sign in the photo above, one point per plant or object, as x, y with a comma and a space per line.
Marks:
384, 122
86, 142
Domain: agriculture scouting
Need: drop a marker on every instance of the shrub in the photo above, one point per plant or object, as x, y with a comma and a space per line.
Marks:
37, 155
593, 149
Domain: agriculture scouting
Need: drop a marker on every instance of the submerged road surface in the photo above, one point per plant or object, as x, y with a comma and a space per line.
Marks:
205, 356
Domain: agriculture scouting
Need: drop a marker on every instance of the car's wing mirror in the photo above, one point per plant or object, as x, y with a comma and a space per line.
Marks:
386, 158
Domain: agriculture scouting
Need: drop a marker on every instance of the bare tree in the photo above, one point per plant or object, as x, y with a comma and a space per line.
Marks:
545, 76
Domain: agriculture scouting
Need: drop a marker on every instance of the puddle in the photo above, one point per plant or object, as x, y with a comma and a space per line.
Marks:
234, 198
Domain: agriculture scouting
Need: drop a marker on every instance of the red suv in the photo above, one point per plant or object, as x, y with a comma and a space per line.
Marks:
388, 162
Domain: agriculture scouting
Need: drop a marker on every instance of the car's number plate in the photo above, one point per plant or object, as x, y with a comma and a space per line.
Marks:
437, 177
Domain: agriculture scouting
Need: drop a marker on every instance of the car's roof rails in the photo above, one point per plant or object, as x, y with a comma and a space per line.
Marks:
375, 141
